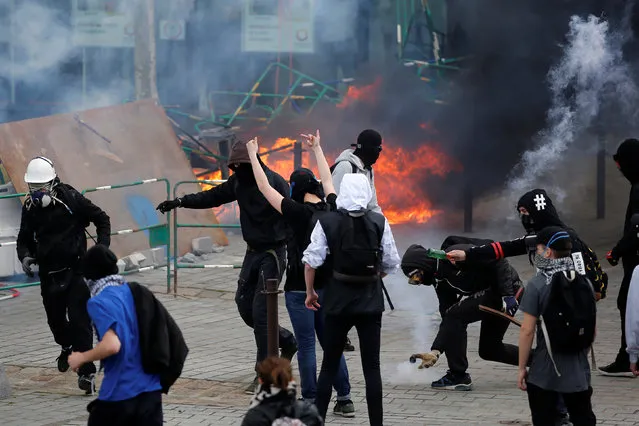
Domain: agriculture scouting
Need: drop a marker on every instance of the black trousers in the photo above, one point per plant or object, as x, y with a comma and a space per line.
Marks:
543, 402
65, 297
145, 409
452, 338
369, 329
622, 299
259, 266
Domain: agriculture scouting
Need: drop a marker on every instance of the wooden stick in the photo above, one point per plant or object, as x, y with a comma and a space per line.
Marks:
500, 314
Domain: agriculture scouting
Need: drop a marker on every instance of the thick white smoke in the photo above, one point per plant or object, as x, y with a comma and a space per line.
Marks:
591, 73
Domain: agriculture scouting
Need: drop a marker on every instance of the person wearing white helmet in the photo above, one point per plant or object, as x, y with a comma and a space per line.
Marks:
52, 235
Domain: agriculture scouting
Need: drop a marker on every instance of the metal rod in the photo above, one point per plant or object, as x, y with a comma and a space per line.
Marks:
468, 208
297, 155
272, 324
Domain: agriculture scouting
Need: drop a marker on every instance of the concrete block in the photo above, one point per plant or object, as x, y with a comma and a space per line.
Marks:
5, 386
146, 258
159, 255
188, 258
121, 265
202, 245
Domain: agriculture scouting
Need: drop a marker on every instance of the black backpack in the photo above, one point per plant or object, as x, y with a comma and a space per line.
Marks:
569, 318
357, 256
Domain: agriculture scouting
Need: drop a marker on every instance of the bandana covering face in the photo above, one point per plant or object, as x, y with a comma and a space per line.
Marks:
549, 267
95, 287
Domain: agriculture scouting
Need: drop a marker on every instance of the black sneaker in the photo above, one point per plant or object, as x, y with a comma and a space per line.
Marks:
344, 409
63, 360
563, 419
454, 382
87, 383
250, 389
348, 346
616, 370
289, 351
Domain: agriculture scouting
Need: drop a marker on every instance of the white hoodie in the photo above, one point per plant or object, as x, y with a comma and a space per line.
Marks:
344, 166
632, 318
354, 196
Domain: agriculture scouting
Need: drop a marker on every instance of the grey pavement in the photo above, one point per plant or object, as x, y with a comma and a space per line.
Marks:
222, 356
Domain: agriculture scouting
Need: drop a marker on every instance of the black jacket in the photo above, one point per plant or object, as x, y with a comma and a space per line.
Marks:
55, 235
263, 228
280, 405
162, 345
454, 282
627, 157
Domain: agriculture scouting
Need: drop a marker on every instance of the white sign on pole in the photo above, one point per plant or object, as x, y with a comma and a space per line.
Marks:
172, 30
277, 26
96, 24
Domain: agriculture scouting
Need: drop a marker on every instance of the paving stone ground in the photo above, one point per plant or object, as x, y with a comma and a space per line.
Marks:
222, 356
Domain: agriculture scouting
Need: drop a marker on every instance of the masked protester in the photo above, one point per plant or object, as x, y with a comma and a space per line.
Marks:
358, 246
536, 210
627, 249
52, 235
265, 233
361, 159
461, 288
301, 211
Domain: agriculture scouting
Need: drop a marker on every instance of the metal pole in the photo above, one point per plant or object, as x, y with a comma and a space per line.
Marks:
272, 324
224, 152
84, 77
468, 208
12, 53
297, 155
601, 179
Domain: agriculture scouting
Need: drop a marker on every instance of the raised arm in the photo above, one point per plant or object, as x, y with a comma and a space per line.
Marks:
313, 142
272, 196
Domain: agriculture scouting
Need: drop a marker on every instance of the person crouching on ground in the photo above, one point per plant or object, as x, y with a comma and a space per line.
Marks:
561, 305
128, 395
274, 402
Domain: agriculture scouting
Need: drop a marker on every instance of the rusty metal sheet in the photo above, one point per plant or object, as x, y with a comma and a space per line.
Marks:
140, 144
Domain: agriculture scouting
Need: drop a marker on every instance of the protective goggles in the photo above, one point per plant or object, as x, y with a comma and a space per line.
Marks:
416, 277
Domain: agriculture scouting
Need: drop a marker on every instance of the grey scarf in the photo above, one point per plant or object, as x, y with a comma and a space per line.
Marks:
550, 267
95, 287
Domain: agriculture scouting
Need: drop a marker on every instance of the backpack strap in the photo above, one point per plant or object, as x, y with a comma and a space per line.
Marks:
353, 167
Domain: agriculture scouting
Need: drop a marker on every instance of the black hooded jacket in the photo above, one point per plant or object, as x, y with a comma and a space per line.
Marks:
542, 214
54, 235
452, 282
263, 228
627, 158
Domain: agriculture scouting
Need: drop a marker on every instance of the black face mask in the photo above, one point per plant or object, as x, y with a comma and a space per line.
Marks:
528, 223
244, 173
369, 155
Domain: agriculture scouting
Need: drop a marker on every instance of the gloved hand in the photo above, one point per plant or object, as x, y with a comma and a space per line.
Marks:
612, 259
168, 205
428, 359
26, 265
510, 305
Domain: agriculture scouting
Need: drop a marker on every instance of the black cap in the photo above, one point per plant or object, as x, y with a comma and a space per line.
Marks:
369, 138
555, 237
99, 262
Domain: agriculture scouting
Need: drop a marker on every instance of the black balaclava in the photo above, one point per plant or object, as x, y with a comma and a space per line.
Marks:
303, 182
368, 147
416, 257
99, 262
244, 173
627, 157
541, 211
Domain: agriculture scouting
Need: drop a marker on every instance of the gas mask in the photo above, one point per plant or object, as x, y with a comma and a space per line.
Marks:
40, 194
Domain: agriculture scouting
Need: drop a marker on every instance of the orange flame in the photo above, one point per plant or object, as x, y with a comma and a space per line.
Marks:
364, 93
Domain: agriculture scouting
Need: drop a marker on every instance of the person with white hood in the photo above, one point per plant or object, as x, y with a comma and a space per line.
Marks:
359, 248
632, 310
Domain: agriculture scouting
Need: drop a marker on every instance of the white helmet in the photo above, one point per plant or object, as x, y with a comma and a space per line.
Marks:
40, 170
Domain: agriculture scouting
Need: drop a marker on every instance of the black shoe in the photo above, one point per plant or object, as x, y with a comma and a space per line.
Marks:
454, 382
348, 346
616, 370
344, 409
250, 389
563, 419
289, 351
87, 383
63, 360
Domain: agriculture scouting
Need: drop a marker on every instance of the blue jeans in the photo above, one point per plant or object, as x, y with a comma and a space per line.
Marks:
306, 324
